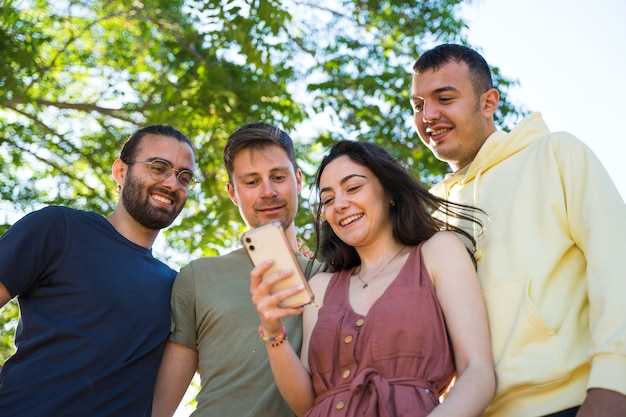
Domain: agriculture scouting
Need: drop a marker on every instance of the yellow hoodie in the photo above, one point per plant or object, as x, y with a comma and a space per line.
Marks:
552, 266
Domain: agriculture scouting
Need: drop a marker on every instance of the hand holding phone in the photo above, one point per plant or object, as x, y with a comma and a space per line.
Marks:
269, 242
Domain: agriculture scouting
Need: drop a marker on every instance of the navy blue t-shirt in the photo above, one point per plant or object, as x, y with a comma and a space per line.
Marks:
94, 316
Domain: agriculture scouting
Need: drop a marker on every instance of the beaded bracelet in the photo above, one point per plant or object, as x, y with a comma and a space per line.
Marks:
279, 343
282, 336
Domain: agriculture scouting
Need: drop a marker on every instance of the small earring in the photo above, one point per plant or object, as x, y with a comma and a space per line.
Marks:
393, 203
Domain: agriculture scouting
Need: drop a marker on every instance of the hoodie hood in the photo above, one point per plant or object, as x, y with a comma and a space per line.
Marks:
499, 146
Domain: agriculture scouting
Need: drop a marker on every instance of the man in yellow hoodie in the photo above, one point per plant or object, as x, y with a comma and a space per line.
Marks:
552, 262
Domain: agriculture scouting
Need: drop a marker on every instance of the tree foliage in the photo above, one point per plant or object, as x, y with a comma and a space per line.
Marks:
78, 76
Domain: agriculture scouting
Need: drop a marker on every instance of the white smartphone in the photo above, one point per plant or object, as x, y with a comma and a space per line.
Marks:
269, 242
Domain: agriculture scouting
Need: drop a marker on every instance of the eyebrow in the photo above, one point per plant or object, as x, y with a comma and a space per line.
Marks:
437, 91
281, 168
158, 158
343, 181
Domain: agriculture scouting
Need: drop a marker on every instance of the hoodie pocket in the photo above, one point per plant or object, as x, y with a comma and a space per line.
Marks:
525, 350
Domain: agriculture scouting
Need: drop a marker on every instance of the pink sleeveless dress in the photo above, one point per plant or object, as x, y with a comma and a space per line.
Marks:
395, 361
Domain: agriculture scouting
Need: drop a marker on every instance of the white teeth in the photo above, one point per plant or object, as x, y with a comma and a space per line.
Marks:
162, 199
351, 219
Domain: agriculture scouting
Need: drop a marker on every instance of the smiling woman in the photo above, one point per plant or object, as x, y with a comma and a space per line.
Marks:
399, 292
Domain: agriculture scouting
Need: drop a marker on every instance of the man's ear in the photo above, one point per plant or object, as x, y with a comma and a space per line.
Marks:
490, 101
119, 172
231, 194
299, 179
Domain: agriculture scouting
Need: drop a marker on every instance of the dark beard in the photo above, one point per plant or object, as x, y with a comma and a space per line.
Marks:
136, 203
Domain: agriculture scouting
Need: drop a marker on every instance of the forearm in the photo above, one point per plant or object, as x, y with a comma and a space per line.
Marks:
597, 224
178, 367
292, 379
470, 395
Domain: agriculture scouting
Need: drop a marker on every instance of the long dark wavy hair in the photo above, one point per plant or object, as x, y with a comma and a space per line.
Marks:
411, 212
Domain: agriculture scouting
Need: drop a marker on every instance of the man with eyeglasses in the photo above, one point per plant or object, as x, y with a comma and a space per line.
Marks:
94, 302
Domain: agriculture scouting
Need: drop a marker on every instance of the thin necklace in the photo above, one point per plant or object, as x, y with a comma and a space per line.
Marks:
366, 284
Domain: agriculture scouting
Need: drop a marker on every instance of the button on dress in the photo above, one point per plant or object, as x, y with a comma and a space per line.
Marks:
395, 361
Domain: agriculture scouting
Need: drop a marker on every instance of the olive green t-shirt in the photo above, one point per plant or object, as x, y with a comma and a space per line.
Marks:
212, 313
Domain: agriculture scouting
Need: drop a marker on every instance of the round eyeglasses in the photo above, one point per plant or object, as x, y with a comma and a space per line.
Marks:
161, 170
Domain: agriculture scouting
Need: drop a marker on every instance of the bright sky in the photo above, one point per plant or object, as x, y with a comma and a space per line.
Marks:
570, 59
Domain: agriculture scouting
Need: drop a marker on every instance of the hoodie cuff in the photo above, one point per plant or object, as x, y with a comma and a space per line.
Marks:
607, 371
